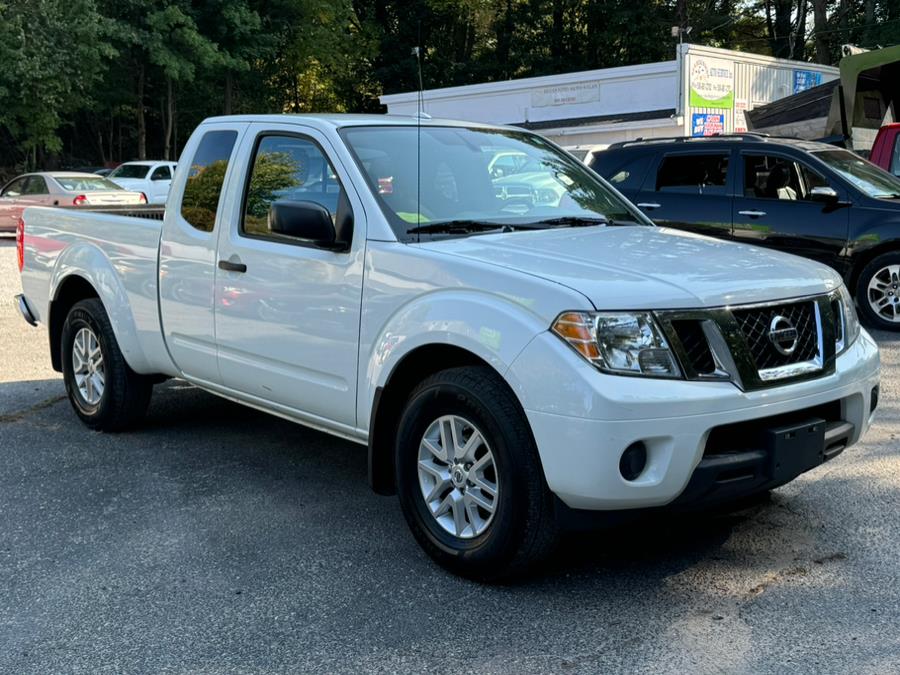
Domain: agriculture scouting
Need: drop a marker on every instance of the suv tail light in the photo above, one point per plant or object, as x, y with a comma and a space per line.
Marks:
20, 243
80, 200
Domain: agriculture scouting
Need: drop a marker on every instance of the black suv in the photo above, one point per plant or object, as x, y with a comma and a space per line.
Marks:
802, 197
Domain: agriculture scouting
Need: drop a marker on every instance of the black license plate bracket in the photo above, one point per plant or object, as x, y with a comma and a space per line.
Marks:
795, 448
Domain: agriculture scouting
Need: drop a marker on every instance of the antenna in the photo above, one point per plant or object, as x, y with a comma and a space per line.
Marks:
417, 52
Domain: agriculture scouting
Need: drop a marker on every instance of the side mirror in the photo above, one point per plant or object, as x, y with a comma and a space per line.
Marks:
823, 194
304, 220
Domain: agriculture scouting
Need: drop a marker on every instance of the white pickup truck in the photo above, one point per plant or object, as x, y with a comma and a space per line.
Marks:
515, 353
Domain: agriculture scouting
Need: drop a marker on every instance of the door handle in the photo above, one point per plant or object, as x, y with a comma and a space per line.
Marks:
648, 205
230, 266
752, 214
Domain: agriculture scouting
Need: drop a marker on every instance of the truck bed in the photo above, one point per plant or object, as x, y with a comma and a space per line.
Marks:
115, 249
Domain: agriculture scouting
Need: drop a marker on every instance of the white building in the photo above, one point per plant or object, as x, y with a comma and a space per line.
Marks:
702, 92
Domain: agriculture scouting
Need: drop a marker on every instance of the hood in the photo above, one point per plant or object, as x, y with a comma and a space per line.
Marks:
648, 267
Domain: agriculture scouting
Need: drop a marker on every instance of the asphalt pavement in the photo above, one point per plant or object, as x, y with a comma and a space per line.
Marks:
217, 539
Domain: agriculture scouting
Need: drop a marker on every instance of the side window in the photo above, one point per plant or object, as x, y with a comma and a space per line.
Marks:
291, 169
630, 175
772, 177
35, 185
204, 184
693, 174
15, 188
895, 158
161, 173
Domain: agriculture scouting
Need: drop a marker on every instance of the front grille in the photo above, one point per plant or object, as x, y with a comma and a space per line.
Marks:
755, 325
696, 347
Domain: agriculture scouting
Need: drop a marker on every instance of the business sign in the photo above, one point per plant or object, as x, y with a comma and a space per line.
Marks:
806, 79
711, 83
740, 118
707, 124
567, 94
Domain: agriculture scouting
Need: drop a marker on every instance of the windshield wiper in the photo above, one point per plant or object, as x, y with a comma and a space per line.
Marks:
575, 221
455, 227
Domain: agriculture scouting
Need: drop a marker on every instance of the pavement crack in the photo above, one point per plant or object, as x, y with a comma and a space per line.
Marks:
18, 415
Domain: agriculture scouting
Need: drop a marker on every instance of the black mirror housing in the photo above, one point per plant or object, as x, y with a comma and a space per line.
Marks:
304, 220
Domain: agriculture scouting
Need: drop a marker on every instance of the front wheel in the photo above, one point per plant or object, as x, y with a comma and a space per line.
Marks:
104, 391
878, 292
469, 477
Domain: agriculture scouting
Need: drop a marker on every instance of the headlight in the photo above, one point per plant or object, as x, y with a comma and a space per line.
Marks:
623, 343
848, 328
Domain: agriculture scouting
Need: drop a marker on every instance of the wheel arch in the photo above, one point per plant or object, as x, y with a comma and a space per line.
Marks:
865, 257
71, 290
390, 398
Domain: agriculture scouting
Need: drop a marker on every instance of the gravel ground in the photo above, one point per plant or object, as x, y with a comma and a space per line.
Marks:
217, 539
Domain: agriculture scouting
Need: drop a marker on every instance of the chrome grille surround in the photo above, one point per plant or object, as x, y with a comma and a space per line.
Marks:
737, 338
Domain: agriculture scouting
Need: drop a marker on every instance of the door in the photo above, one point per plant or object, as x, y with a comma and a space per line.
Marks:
777, 208
187, 254
288, 312
160, 182
690, 190
17, 195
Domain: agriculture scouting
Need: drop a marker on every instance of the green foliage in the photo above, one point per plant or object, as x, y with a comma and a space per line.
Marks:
52, 55
201, 194
109, 79
273, 172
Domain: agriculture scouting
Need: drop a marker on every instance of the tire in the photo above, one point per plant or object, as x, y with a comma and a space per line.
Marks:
119, 397
520, 531
883, 272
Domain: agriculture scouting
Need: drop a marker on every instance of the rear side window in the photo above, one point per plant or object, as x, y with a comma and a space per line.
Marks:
35, 185
693, 174
207, 173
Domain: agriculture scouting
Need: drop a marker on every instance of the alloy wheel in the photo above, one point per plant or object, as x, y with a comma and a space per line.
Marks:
458, 477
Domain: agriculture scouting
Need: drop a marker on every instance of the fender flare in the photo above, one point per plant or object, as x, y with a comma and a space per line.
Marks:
88, 262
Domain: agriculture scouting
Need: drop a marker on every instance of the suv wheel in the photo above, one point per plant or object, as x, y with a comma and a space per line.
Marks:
878, 292
105, 393
469, 477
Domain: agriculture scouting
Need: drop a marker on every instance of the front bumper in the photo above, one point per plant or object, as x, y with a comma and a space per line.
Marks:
583, 421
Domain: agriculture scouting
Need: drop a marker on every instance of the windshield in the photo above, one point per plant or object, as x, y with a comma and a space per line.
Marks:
864, 175
86, 183
480, 180
130, 171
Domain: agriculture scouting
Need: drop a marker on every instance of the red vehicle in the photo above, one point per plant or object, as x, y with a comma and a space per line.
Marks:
886, 149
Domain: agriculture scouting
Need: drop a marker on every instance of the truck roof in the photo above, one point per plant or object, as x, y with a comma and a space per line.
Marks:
339, 120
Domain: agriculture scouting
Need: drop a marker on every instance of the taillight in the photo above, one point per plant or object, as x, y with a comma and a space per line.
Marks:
20, 243
143, 198
80, 200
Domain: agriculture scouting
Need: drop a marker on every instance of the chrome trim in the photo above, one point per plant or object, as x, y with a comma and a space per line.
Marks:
728, 345
25, 310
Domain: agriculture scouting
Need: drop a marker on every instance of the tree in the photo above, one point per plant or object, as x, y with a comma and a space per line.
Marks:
53, 54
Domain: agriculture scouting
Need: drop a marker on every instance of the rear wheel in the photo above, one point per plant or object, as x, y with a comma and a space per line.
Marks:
469, 476
104, 391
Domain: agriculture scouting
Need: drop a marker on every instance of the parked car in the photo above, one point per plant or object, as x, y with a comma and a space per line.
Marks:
59, 188
508, 372
152, 178
886, 149
801, 197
